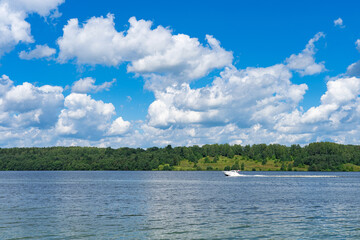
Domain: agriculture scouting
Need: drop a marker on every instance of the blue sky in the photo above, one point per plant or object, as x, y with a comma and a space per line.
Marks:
141, 73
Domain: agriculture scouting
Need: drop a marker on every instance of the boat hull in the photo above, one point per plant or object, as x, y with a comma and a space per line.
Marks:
232, 173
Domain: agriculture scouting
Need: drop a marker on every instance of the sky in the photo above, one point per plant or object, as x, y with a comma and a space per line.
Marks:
153, 73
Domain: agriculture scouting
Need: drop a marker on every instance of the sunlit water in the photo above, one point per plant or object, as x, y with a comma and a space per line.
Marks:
179, 205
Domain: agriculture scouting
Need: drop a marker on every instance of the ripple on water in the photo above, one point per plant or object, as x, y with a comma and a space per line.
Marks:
185, 205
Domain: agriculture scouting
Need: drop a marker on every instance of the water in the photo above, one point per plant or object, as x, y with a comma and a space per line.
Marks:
179, 205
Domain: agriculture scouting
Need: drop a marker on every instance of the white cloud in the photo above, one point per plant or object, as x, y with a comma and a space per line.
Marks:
157, 54
86, 118
41, 116
304, 62
27, 105
357, 43
41, 7
239, 96
339, 111
247, 106
40, 51
13, 26
119, 127
5, 85
339, 23
335, 119
230, 133
87, 85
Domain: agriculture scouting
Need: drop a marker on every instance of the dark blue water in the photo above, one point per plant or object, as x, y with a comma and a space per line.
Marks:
179, 205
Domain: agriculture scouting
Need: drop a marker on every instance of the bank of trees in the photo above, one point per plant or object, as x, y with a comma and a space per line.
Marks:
324, 156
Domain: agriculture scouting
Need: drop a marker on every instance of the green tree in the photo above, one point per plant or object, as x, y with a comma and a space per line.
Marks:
242, 166
289, 168
283, 168
167, 167
235, 167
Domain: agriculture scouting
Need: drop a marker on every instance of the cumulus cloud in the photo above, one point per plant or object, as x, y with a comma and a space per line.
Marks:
87, 85
339, 23
40, 51
336, 118
249, 103
238, 96
42, 116
13, 26
257, 105
86, 118
5, 84
242, 97
119, 127
339, 110
246, 106
155, 53
41, 7
26, 105
304, 62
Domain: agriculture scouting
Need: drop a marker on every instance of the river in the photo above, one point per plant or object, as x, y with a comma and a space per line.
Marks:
179, 205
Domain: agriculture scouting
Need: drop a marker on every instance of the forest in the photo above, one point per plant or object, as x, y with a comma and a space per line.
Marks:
320, 156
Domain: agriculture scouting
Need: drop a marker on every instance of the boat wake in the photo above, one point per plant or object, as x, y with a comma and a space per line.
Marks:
288, 176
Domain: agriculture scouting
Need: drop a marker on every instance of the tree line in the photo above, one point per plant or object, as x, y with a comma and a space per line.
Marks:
321, 156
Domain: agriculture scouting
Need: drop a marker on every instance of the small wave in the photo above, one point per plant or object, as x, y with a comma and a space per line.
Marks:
240, 227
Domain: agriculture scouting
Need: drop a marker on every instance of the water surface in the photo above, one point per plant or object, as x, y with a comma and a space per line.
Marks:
179, 205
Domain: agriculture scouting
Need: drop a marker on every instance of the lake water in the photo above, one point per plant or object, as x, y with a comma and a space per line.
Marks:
179, 205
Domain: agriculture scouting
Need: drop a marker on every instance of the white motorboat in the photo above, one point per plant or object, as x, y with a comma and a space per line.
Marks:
232, 173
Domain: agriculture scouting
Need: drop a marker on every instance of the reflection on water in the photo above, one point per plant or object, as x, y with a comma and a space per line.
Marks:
173, 205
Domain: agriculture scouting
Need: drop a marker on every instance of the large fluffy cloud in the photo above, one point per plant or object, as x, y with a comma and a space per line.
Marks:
242, 97
339, 111
250, 100
156, 53
260, 105
243, 106
13, 28
252, 103
26, 105
13, 25
41, 7
238, 96
42, 116
86, 118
